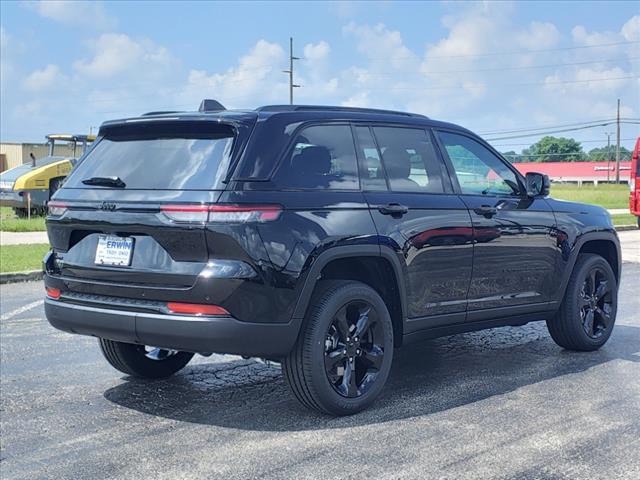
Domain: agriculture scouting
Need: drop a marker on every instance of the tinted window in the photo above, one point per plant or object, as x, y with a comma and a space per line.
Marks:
323, 156
479, 171
170, 156
372, 172
409, 159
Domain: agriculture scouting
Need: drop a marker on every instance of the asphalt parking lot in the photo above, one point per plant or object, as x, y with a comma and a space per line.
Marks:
504, 403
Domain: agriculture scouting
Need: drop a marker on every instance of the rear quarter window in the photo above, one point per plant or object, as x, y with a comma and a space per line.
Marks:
321, 157
173, 156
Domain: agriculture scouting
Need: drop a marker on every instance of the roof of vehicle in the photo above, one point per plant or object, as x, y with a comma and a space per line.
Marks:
67, 137
300, 112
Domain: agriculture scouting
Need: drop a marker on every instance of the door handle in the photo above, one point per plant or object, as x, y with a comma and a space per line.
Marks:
393, 209
486, 210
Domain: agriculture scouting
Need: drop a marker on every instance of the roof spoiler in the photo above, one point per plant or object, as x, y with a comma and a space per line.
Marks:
209, 105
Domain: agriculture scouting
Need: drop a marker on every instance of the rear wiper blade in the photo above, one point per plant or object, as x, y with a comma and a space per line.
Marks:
105, 181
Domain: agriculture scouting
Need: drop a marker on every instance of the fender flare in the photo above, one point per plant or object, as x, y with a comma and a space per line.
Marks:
607, 235
346, 251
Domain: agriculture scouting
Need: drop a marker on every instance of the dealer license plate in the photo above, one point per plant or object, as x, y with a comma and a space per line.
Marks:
114, 250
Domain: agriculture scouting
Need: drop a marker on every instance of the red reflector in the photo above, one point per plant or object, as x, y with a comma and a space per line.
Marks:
53, 293
196, 309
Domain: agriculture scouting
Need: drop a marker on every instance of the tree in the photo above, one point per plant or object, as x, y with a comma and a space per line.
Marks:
600, 154
512, 156
554, 149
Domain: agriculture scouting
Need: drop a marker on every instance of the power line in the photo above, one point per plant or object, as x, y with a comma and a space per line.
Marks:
547, 127
120, 99
458, 87
499, 69
544, 154
580, 141
515, 52
560, 131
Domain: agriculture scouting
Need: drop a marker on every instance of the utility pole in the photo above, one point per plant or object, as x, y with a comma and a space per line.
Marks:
618, 145
608, 134
290, 71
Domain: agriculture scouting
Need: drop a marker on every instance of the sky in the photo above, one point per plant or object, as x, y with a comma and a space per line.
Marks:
492, 67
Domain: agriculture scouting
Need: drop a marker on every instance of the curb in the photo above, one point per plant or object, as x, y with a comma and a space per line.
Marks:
17, 277
624, 228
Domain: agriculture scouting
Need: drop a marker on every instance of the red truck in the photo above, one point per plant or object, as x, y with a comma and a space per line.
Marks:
634, 182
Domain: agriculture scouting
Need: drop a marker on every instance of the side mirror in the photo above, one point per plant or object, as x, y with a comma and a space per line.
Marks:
538, 184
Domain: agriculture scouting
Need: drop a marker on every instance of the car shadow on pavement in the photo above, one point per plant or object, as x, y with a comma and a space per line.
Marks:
426, 378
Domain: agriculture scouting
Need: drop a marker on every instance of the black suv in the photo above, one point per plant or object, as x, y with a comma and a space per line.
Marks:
318, 237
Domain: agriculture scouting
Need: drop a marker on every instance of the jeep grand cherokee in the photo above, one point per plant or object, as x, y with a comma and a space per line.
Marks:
319, 237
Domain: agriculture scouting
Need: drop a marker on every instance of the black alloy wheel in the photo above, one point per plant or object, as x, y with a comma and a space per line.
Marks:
353, 349
343, 355
596, 303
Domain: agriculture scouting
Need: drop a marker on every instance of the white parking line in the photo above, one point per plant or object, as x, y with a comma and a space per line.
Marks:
22, 309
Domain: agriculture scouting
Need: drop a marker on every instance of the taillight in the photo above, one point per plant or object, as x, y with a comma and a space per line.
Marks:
244, 213
56, 208
196, 309
632, 184
53, 293
221, 213
186, 213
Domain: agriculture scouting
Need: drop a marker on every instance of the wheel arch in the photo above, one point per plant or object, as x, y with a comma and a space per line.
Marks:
369, 264
605, 244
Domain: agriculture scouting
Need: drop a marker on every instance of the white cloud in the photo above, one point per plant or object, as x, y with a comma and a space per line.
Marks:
343, 8
77, 13
377, 43
316, 52
631, 30
452, 78
44, 79
28, 110
116, 53
597, 81
539, 35
360, 99
257, 75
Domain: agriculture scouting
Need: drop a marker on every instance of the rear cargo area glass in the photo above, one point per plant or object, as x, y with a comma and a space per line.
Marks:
167, 156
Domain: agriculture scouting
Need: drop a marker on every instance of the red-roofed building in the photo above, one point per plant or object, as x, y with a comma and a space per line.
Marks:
578, 171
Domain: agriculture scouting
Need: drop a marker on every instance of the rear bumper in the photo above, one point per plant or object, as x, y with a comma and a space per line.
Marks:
178, 332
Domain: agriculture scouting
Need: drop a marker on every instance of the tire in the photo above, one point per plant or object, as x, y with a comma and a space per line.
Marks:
574, 327
134, 359
341, 308
21, 212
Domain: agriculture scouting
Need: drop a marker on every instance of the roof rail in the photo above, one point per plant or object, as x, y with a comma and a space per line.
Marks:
209, 105
159, 112
328, 108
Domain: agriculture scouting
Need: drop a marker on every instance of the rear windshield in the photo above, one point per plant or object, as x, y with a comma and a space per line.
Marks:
168, 156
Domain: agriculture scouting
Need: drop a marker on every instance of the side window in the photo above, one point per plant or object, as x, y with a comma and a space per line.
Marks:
372, 172
479, 171
409, 160
323, 157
